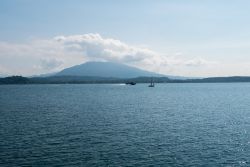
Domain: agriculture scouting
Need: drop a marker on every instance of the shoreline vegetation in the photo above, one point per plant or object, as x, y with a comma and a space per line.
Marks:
107, 80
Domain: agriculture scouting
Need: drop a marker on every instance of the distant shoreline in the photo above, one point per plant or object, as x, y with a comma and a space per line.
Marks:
105, 80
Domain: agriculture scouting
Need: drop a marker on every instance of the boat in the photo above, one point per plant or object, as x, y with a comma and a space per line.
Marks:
152, 84
130, 83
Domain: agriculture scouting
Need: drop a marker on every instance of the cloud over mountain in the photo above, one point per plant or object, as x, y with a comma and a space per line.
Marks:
42, 56
93, 46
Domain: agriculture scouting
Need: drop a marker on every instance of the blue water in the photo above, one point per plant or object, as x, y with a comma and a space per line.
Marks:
117, 125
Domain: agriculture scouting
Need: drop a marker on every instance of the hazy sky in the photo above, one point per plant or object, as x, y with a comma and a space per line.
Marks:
177, 37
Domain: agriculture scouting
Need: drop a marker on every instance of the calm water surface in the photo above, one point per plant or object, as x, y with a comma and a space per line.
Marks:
117, 125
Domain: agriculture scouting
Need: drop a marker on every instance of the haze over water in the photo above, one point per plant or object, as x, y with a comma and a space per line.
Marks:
118, 125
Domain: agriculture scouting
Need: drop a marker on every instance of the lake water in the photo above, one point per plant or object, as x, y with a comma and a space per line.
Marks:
119, 125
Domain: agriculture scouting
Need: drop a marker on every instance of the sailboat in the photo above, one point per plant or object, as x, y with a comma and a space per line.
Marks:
152, 84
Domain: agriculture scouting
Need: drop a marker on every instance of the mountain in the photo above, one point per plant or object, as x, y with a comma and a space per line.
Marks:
106, 69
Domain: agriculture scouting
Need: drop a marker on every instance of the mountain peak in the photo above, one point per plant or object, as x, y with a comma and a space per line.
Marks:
106, 69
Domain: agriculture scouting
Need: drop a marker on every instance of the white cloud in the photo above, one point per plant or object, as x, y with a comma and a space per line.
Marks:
49, 64
42, 56
35, 57
199, 62
94, 46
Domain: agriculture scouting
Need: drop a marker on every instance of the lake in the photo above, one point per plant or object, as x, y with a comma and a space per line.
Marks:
120, 125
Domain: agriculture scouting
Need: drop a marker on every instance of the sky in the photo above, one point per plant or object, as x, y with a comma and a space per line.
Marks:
175, 37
